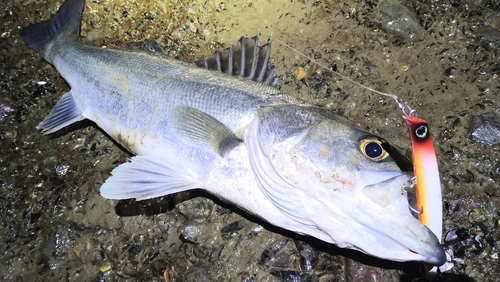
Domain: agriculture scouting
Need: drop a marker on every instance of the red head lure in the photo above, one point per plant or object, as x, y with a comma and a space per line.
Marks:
425, 168
427, 175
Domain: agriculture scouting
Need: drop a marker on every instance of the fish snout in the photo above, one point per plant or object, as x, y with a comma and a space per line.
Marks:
419, 239
395, 227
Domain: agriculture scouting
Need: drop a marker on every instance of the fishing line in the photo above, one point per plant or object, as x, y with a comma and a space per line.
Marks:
403, 105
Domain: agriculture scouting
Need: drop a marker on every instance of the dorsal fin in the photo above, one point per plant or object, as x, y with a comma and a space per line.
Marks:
244, 59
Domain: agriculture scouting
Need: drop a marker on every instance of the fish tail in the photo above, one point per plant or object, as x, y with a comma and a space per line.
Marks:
63, 27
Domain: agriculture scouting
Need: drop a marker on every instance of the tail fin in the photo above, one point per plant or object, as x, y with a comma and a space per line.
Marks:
63, 26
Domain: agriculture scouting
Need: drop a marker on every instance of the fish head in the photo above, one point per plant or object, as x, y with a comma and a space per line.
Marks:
341, 185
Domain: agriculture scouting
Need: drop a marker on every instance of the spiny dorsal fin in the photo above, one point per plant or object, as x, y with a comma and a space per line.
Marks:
203, 129
244, 59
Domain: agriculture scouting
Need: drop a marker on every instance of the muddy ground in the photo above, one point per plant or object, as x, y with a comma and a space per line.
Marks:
55, 226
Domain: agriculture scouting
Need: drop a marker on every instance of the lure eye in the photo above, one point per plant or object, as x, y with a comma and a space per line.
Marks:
372, 149
422, 131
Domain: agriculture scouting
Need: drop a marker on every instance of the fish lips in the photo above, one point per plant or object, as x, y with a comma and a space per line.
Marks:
398, 235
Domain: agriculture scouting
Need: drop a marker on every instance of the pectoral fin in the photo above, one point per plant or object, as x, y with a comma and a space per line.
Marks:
146, 177
203, 129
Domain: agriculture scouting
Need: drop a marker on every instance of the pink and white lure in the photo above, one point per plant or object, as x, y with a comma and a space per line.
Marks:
428, 183
425, 168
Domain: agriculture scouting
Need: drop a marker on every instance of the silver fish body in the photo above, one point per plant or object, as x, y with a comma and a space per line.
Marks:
294, 165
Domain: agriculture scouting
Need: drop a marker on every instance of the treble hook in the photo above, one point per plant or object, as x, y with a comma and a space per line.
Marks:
410, 184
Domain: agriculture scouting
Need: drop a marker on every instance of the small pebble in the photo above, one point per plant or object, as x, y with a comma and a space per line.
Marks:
6, 109
299, 74
455, 235
105, 267
477, 215
453, 207
62, 169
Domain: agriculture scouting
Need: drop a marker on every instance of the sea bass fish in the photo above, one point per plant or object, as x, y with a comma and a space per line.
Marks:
292, 164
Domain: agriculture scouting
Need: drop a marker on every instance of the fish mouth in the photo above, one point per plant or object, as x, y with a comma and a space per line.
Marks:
424, 247
378, 222
398, 233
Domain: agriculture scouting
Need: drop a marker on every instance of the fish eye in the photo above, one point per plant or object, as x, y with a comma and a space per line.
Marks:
372, 149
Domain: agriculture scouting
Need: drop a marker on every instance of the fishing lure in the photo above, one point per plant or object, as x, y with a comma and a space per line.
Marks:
427, 182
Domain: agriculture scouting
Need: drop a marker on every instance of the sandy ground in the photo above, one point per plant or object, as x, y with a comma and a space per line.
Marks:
55, 226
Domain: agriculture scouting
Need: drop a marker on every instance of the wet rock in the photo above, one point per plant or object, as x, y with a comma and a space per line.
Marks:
231, 229
56, 181
455, 235
62, 169
272, 250
291, 276
477, 215
453, 207
6, 109
395, 18
495, 174
493, 4
485, 128
450, 72
191, 234
469, 242
198, 208
62, 241
134, 250
308, 256
247, 278
55, 245
196, 274
478, 245
328, 277
489, 38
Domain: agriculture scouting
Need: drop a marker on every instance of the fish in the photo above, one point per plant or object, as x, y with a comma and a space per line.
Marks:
223, 125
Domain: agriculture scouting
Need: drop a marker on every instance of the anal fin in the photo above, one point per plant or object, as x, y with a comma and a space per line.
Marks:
64, 113
147, 177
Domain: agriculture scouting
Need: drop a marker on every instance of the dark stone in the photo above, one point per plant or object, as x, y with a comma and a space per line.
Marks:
485, 128
455, 235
